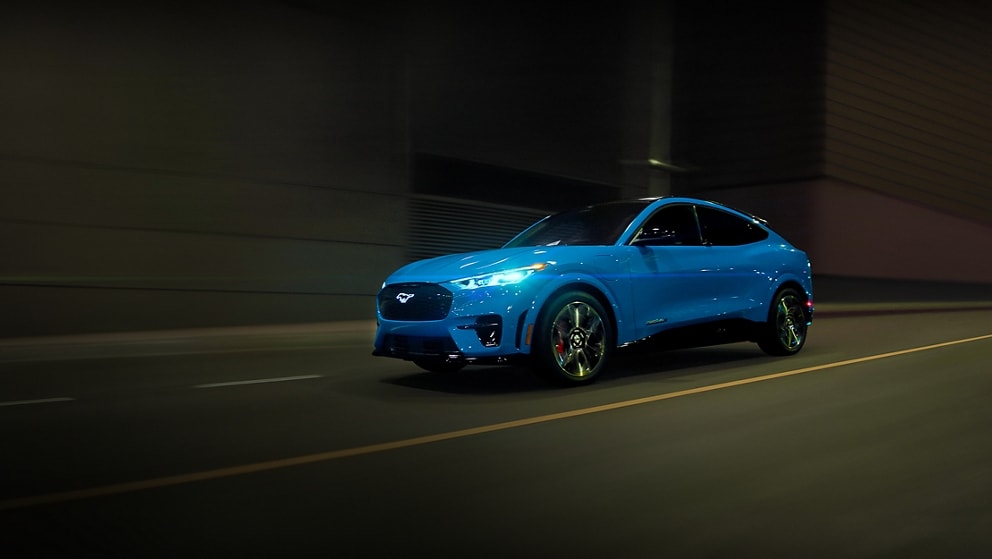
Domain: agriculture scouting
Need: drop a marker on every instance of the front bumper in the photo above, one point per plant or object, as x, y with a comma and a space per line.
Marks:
481, 326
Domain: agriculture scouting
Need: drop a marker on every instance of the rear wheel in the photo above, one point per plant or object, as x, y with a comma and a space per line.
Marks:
785, 331
573, 339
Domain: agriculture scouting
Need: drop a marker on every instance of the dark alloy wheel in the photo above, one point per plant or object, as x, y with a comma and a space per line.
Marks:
785, 331
573, 339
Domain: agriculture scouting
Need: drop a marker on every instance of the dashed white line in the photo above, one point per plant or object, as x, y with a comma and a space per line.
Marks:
256, 381
32, 402
259, 467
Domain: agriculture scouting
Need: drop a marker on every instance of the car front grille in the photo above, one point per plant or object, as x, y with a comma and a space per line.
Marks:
414, 302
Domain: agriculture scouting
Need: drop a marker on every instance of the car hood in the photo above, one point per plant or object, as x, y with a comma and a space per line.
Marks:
465, 265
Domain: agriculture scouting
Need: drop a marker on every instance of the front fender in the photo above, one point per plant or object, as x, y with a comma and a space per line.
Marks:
612, 291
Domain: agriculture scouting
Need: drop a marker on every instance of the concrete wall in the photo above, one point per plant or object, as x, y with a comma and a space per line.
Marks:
860, 130
191, 164
194, 164
909, 101
556, 88
211, 163
861, 233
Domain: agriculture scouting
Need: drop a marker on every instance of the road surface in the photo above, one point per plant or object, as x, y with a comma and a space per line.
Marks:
874, 441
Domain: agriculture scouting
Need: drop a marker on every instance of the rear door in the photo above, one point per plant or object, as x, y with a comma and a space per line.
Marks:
737, 261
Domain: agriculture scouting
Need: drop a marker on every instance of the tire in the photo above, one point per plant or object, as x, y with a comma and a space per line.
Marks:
785, 331
439, 365
573, 339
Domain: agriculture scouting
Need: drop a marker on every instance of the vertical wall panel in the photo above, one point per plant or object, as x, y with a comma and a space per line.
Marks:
909, 101
441, 226
748, 105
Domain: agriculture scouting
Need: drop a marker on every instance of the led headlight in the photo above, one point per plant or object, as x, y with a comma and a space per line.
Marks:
503, 277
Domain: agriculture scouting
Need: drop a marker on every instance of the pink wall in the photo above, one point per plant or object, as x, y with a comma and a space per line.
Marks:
861, 233
855, 232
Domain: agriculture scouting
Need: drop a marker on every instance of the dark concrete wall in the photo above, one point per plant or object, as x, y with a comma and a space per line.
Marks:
170, 165
186, 164
861, 130
909, 102
182, 164
748, 93
525, 86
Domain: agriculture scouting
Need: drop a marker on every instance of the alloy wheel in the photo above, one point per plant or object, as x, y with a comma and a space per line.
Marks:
790, 322
579, 339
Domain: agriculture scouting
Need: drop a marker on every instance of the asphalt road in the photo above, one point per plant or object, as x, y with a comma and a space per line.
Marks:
872, 442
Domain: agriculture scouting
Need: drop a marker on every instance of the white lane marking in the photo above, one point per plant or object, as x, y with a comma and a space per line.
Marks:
32, 402
257, 381
258, 467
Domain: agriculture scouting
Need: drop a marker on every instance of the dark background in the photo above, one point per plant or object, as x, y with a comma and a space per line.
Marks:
168, 165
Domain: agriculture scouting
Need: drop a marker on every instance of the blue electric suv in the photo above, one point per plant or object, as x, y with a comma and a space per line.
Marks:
573, 287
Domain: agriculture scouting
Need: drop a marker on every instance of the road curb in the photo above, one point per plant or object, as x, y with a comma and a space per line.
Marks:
841, 310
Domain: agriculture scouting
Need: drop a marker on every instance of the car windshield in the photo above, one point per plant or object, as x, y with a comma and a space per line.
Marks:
593, 225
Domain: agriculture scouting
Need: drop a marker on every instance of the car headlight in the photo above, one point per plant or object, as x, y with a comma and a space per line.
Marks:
503, 277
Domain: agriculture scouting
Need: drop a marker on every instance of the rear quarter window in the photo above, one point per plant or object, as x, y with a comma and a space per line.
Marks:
725, 229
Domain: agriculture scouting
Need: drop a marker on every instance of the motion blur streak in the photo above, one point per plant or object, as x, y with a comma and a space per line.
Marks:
33, 402
256, 381
382, 447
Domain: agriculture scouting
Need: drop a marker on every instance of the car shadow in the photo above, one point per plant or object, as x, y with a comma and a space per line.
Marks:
629, 365
660, 363
501, 379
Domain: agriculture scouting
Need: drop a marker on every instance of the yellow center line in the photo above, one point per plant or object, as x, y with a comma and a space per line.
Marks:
258, 467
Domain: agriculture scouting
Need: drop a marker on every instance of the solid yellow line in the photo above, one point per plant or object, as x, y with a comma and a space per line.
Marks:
258, 467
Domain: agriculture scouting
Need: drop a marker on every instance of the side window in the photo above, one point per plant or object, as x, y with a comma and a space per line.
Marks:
670, 226
722, 228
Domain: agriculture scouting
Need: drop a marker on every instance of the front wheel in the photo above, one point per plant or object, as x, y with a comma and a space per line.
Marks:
785, 331
573, 339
